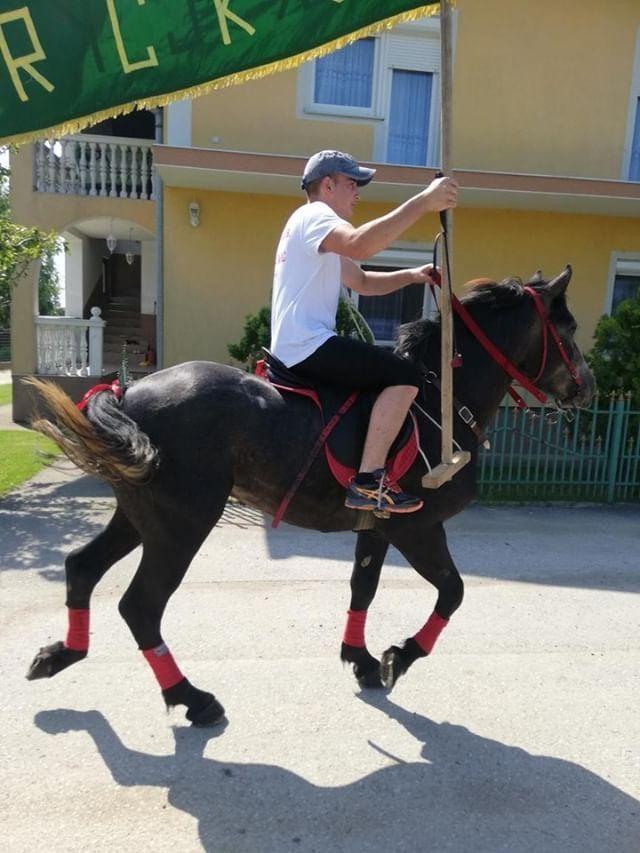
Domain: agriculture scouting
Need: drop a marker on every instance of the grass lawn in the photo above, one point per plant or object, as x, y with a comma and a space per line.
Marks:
5, 394
20, 457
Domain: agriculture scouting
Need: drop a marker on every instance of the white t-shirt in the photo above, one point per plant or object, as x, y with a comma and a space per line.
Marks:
306, 285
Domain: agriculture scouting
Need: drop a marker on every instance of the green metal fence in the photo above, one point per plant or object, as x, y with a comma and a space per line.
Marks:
541, 456
5, 345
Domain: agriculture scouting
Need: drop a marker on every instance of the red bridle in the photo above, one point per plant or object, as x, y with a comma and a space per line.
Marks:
509, 368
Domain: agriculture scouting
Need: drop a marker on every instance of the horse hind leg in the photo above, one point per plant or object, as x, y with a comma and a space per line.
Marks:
371, 550
83, 570
167, 553
429, 555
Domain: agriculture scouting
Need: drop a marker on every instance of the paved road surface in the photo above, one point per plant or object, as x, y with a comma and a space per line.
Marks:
520, 734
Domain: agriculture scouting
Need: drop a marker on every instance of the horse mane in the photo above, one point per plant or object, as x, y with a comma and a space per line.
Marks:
413, 338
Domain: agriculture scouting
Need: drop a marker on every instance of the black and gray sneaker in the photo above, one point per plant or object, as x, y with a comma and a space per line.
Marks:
375, 493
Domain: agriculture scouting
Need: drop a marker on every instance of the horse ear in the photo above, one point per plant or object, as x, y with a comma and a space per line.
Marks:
536, 278
557, 286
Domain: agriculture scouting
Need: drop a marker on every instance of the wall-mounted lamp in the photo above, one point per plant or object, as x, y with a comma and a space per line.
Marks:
194, 214
129, 253
112, 242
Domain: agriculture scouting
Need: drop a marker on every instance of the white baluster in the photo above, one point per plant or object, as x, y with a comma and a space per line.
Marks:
62, 167
144, 177
40, 179
113, 193
92, 169
65, 176
124, 171
84, 353
83, 168
103, 168
51, 183
134, 171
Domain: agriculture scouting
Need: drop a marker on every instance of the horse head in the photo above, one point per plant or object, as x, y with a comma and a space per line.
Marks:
554, 358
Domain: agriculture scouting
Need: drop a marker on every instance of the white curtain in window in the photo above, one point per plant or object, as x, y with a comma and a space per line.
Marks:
409, 117
345, 78
634, 167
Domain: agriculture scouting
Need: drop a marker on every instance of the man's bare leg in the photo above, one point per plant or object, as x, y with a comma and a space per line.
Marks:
387, 416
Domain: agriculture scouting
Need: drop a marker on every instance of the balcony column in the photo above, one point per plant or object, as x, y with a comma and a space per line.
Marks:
24, 309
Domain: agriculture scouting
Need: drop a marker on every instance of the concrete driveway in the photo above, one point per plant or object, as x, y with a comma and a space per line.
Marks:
521, 733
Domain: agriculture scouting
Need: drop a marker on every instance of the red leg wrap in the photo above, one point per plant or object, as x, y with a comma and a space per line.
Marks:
164, 667
354, 629
430, 631
78, 630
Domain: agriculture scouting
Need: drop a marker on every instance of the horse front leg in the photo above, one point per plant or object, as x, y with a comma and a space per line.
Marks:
429, 555
371, 549
83, 570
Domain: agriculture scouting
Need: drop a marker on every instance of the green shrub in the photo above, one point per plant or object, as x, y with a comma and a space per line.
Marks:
615, 357
257, 332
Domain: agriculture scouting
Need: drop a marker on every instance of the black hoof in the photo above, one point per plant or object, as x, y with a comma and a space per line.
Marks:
392, 666
365, 667
203, 709
52, 659
211, 714
396, 661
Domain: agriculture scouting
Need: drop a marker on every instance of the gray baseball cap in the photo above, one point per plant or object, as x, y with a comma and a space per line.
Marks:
335, 162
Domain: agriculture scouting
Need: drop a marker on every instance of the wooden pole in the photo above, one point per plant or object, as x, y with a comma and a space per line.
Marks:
446, 379
450, 462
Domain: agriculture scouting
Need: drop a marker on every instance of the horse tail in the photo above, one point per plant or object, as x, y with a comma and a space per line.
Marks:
102, 440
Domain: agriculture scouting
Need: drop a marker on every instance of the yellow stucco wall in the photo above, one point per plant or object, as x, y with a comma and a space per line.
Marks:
540, 87
544, 87
218, 273
261, 116
502, 243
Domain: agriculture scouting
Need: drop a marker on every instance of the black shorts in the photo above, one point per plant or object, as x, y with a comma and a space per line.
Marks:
355, 364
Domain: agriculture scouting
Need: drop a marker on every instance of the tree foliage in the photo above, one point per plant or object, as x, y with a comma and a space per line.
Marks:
257, 332
19, 245
615, 357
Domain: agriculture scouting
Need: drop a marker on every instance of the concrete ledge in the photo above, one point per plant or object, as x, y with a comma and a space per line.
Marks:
26, 403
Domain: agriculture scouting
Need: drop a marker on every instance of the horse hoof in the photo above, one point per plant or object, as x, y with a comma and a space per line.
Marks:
365, 667
371, 680
50, 660
392, 666
211, 715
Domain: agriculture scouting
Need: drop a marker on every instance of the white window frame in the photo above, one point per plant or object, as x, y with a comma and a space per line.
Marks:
377, 116
404, 255
633, 108
622, 263
311, 109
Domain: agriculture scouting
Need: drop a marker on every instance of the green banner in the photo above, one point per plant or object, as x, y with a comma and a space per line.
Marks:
65, 64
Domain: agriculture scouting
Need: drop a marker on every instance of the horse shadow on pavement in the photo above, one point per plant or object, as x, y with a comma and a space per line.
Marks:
468, 793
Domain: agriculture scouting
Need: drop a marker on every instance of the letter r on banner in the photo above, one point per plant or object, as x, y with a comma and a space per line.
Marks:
14, 63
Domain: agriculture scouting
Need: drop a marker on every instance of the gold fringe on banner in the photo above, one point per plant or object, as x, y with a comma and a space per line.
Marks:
68, 128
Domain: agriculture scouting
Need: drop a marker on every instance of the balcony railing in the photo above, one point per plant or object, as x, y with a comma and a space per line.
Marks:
70, 347
105, 166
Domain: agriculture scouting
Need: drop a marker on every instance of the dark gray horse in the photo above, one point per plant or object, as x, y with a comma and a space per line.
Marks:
180, 442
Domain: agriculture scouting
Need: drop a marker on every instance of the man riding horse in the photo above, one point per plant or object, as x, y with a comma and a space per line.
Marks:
315, 257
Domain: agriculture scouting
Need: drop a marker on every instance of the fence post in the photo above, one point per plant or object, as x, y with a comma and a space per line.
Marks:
614, 450
96, 329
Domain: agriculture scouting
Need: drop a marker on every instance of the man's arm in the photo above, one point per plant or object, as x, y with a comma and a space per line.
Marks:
373, 283
372, 237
